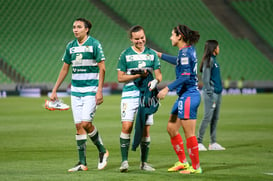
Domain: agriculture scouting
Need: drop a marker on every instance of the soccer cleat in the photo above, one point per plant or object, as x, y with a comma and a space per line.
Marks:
124, 166
56, 105
216, 146
179, 166
103, 160
144, 166
201, 147
78, 167
191, 170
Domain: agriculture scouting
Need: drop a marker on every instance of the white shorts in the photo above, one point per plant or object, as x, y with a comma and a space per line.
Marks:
129, 109
83, 108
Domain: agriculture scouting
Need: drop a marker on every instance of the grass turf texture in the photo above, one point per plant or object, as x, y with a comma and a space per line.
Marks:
37, 144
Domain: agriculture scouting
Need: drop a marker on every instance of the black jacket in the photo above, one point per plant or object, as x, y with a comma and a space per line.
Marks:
148, 104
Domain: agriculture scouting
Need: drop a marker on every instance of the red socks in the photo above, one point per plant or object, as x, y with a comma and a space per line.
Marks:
192, 146
178, 147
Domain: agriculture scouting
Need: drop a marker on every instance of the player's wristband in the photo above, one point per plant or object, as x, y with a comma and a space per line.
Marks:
153, 84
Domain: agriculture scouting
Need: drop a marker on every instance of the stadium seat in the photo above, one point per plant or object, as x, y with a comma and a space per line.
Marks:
34, 46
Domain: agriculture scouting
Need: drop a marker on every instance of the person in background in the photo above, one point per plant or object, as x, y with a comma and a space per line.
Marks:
136, 62
240, 84
212, 89
86, 57
227, 83
184, 111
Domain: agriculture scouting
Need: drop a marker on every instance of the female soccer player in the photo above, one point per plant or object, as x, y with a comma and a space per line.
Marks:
86, 57
184, 111
212, 89
143, 59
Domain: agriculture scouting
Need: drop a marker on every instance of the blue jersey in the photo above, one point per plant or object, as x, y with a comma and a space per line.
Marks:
186, 71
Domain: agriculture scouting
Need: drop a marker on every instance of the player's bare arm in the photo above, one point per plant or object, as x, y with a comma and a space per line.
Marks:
62, 75
123, 77
99, 95
162, 94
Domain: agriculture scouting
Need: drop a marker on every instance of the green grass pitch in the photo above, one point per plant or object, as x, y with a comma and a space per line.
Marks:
37, 144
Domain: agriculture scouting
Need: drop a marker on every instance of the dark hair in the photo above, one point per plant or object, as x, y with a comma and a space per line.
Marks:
135, 28
210, 46
189, 36
87, 23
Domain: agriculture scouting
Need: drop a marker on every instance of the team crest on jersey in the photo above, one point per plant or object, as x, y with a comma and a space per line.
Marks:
148, 57
87, 49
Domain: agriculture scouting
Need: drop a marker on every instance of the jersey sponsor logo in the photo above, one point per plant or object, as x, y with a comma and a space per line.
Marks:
81, 49
184, 60
130, 58
78, 70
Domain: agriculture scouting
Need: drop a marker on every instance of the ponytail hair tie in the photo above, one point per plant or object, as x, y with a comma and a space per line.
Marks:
180, 31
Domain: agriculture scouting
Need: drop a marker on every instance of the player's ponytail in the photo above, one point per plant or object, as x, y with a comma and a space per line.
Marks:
210, 46
189, 36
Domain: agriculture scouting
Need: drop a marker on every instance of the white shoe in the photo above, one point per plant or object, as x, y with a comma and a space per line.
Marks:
124, 166
103, 160
216, 146
201, 147
56, 105
78, 167
144, 166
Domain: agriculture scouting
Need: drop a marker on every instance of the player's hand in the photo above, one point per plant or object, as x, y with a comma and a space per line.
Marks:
53, 96
163, 93
152, 84
159, 54
99, 98
145, 73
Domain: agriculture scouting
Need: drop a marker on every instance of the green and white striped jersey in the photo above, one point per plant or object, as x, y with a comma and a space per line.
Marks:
130, 60
85, 70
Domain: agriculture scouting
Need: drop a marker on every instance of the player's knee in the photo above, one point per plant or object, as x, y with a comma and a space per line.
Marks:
171, 131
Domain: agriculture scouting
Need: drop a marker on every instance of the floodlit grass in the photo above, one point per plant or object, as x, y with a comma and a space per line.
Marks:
37, 144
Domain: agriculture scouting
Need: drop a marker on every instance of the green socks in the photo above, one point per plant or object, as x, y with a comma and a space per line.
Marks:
81, 146
145, 147
96, 139
124, 145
